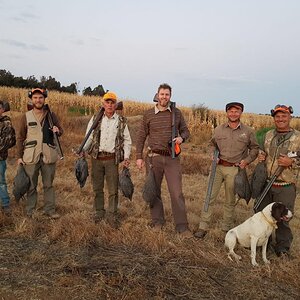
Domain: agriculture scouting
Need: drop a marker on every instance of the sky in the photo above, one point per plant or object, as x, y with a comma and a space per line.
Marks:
210, 51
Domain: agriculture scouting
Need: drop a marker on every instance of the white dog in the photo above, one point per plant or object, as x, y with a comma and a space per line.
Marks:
256, 231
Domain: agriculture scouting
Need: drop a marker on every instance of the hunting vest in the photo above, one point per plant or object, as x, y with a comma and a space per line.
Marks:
276, 144
34, 146
119, 141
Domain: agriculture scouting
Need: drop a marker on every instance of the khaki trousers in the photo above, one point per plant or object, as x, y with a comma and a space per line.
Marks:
165, 165
47, 172
226, 175
110, 171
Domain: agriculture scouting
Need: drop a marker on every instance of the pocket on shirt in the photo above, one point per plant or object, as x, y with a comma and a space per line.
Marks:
29, 151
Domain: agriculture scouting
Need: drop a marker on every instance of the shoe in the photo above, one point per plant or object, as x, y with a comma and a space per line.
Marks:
6, 210
157, 227
113, 221
200, 234
283, 254
53, 216
187, 234
98, 219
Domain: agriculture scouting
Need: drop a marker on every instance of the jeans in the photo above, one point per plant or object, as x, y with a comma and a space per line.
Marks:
3, 186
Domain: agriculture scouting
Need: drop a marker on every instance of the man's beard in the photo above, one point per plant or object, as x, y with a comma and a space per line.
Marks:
38, 106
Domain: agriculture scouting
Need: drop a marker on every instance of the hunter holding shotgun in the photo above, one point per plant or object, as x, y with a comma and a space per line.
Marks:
278, 144
108, 145
157, 126
37, 151
237, 147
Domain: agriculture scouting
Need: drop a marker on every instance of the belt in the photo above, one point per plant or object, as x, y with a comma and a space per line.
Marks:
281, 184
226, 163
162, 152
105, 156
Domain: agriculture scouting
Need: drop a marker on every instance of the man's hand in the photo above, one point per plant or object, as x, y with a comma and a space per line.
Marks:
261, 156
55, 129
126, 162
284, 161
178, 140
243, 164
20, 161
140, 163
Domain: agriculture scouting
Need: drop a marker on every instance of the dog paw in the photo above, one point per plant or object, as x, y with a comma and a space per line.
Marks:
266, 261
255, 264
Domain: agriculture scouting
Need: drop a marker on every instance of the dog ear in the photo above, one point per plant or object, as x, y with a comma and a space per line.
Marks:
278, 210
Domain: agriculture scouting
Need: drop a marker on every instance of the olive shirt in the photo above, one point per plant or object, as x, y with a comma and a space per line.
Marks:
235, 144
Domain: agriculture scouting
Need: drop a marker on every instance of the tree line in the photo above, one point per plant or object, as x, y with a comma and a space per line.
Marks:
49, 83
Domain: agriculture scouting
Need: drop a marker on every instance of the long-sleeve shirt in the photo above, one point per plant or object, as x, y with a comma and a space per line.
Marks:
235, 144
157, 126
109, 130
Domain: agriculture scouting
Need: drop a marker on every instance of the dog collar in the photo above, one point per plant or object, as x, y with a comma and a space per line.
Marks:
272, 223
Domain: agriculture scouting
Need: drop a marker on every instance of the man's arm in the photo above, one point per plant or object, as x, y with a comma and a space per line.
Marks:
21, 136
127, 143
141, 137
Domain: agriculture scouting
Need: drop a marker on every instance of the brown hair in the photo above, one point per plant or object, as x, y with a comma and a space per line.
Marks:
164, 86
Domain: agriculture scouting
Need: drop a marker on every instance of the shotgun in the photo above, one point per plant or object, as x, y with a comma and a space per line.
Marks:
291, 154
211, 179
55, 136
97, 119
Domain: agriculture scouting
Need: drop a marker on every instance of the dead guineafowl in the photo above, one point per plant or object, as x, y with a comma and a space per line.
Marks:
81, 171
242, 186
258, 179
125, 183
150, 190
21, 183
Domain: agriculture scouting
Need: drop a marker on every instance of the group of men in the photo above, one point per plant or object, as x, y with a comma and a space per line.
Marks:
110, 144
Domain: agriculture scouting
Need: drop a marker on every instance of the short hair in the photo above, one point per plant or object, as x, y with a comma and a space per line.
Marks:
1, 104
164, 86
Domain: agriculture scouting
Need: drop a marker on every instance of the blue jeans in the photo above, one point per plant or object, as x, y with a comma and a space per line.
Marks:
3, 186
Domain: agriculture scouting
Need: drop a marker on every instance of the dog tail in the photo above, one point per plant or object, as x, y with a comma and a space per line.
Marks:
230, 240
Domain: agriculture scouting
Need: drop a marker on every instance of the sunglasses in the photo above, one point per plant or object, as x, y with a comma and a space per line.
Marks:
280, 107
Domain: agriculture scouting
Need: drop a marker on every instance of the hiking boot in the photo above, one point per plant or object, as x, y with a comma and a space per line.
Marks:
98, 219
53, 216
200, 234
157, 227
186, 234
6, 210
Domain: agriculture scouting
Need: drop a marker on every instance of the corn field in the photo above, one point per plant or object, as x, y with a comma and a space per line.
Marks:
201, 121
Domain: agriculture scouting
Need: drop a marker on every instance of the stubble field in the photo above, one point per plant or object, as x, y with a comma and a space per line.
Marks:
74, 258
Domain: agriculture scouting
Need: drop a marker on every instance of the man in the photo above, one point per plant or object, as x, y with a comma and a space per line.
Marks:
109, 144
278, 143
37, 152
237, 147
156, 125
7, 140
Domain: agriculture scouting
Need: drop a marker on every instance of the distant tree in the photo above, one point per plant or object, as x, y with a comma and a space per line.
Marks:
52, 84
87, 91
72, 88
98, 91
6, 78
32, 82
20, 82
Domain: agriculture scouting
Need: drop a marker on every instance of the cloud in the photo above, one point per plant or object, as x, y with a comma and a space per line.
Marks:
18, 44
25, 17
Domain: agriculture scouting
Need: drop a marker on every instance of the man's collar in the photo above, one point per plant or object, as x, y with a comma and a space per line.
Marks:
115, 115
239, 125
156, 109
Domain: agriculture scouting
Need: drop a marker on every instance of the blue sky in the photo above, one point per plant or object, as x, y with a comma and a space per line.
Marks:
211, 52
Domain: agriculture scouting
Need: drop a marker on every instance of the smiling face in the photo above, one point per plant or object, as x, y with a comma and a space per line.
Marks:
282, 121
38, 101
234, 114
164, 97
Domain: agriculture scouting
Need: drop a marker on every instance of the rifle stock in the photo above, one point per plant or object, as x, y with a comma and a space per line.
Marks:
55, 136
211, 179
97, 119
